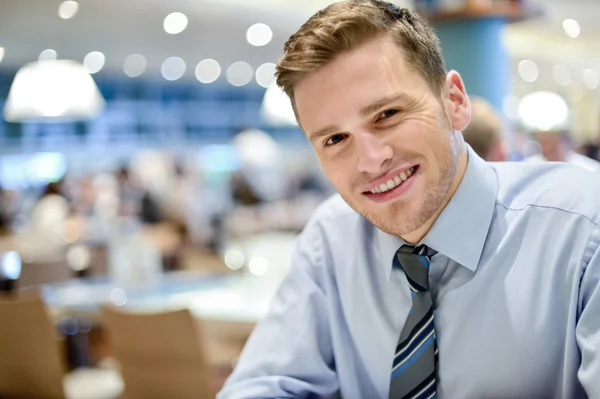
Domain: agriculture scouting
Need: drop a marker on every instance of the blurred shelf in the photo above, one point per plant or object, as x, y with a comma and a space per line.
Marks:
512, 11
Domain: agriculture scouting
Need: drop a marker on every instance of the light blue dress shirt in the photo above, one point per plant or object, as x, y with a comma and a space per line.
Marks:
515, 283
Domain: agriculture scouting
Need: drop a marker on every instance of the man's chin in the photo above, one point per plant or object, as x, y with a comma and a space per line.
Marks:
394, 223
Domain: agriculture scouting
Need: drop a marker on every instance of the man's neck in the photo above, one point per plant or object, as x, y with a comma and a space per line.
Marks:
463, 159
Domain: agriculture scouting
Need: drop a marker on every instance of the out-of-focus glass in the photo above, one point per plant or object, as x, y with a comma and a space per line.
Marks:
258, 266
234, 259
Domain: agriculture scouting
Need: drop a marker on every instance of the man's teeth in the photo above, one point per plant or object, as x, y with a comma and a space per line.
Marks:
393, 183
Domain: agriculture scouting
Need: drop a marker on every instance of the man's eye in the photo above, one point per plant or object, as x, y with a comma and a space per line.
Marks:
336, 138
387, 114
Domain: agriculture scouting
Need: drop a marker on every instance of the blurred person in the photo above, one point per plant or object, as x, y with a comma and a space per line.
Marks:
5, 213
484, 132
432, 273
557, 146
132, 197
242, 191
49, 214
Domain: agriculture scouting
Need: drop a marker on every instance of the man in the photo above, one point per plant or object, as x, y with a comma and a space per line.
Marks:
556, 147
433, 273
484, 133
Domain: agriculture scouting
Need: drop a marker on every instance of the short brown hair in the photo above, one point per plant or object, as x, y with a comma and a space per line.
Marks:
485, 128
345, 25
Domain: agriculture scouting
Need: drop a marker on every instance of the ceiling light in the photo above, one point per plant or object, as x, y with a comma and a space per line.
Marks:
543, 111
259, 35
94, 62
173, 68
528, 70
239, 73
175, 23
590, 78
207, 71
1, 53
134, 65
53, 89
47, 55
561, 75
265, 74
571, 27
68, 9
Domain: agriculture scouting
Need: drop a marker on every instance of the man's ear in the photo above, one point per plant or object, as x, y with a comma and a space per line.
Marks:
456, 101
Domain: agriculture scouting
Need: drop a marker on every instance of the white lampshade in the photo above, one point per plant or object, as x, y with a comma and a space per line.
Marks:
276, 108
53, 90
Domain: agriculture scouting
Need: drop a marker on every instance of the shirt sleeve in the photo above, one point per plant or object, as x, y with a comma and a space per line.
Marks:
588, 326
289, 354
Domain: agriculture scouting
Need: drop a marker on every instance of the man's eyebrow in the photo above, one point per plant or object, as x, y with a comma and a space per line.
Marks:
377, 105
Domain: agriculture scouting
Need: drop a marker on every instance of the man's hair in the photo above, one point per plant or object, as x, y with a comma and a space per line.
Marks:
346, 25
485, 128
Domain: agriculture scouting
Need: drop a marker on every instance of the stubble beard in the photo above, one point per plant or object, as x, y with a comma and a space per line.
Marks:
402, 217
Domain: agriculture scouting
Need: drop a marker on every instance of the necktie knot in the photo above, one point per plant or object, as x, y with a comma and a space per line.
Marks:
415, 261
422, 250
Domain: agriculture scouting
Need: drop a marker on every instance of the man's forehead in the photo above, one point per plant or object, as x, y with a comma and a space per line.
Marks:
350, 75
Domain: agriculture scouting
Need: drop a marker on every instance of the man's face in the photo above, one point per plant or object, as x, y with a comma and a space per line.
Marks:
387, 143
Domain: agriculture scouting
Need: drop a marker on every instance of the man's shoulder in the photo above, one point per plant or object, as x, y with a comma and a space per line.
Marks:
567, 187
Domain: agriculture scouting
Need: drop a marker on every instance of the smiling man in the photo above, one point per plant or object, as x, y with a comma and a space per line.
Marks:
433, 273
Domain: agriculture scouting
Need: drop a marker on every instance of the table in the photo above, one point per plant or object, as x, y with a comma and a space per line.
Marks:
230, 297
227, 307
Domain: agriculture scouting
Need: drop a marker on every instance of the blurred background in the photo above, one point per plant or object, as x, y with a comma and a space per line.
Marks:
153, 179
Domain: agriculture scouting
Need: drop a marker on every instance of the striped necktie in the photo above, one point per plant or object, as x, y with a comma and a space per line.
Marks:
415, 360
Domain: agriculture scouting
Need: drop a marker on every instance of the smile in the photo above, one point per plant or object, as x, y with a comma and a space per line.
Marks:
393, 183
393, 187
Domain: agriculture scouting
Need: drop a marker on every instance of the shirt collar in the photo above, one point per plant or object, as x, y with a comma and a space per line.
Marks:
460, 231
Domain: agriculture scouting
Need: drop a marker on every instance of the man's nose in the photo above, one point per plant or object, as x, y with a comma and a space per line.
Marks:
373, 152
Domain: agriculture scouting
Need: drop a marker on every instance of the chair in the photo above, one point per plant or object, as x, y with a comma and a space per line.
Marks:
161, 354
31, 365
43, 272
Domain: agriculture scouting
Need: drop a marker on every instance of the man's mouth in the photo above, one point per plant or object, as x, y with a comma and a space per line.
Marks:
394, 182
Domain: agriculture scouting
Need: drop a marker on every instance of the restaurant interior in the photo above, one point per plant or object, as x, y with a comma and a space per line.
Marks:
153, 178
